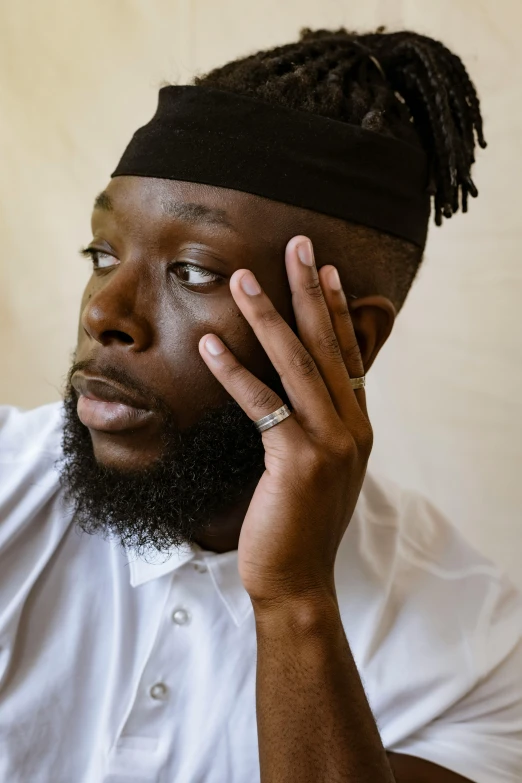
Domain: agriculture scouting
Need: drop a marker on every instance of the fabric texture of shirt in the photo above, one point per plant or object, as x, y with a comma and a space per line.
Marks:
118, 670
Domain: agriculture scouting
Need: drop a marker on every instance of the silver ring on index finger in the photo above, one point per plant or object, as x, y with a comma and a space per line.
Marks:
272, 419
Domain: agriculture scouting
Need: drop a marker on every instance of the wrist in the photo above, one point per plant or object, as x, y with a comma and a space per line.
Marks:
308, 613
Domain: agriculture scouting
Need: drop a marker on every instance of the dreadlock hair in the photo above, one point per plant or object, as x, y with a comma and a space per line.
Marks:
399, 84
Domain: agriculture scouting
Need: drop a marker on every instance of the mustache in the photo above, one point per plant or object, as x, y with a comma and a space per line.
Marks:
120, 376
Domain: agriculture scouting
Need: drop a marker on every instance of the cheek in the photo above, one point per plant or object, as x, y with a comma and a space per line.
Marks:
240, 338
182, 377
196, 388
245, 346
87, 294
223, 317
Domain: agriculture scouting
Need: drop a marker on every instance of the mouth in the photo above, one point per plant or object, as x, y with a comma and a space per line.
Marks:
106, 407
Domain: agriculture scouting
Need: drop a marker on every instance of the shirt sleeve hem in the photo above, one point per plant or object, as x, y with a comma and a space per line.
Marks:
462, 760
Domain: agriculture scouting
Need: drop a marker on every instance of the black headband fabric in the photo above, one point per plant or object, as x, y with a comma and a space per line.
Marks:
232, 141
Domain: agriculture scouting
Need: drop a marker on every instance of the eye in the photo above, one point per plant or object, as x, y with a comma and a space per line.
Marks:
195, 275
100, 260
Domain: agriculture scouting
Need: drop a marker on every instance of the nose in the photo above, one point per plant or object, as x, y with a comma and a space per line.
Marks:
119, 312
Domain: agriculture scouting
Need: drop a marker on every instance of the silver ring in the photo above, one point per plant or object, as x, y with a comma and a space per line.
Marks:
273, 418
358, 383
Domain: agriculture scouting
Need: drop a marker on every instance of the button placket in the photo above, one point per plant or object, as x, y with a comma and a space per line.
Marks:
157, 705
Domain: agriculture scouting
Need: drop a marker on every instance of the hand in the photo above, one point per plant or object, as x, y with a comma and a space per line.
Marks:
316, 459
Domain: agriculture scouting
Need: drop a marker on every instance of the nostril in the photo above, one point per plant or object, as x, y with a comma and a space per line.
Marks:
114, 334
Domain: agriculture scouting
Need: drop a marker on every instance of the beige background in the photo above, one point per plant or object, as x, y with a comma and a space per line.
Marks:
77, 78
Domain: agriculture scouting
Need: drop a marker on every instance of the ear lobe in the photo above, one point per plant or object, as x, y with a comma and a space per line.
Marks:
373, 318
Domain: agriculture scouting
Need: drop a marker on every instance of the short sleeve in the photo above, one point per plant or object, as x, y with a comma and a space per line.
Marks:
480, 736
33, 516
436, 632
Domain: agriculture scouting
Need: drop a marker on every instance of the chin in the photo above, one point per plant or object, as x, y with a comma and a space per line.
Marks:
129, 452
155, 486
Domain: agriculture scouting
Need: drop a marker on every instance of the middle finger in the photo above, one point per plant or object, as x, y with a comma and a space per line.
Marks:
314, 323
299, 375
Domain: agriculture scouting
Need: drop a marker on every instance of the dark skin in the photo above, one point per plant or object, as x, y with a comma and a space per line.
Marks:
173, 257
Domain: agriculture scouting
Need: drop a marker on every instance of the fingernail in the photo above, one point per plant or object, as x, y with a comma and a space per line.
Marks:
214, 345
249, 284
305, 253
334, 279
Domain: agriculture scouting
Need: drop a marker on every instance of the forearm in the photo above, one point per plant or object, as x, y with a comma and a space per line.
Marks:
314, 722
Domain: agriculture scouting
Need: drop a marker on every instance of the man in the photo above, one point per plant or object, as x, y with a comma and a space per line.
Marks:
250, 605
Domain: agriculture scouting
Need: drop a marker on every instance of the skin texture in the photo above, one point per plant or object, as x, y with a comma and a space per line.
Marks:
139, 317
293, 340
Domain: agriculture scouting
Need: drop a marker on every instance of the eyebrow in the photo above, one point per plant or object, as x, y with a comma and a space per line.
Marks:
103, 201
189, 212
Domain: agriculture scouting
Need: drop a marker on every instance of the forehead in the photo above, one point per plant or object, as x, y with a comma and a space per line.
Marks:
150, 202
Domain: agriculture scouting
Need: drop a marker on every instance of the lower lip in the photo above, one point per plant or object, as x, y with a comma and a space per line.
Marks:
110, 416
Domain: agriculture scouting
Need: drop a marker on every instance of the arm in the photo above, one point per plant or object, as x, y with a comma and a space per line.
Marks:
408, 769
313, 718
314, 722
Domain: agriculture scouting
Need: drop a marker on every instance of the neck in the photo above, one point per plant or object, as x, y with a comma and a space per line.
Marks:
223, 531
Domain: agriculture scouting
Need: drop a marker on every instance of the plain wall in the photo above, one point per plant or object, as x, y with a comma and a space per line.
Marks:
76, 80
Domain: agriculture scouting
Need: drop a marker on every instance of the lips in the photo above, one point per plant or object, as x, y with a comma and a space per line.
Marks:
106, 407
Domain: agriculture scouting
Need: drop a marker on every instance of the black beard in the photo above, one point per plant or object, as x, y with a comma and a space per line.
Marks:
203, 471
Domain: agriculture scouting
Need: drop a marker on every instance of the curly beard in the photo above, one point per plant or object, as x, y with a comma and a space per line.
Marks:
202, 472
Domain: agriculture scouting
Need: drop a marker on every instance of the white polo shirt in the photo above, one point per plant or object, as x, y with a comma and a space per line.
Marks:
114, 670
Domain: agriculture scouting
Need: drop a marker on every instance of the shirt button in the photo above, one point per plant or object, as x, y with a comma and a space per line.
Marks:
180, 616
200, 568
159, 691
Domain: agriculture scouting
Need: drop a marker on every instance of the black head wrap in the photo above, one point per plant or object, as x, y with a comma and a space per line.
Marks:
219, 138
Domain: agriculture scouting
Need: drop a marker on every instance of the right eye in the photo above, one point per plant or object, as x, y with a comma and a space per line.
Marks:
100, 260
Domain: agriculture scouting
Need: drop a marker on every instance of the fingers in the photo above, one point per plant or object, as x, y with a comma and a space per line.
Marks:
299, 374
324, 323
251, 394
315, 366
343, 326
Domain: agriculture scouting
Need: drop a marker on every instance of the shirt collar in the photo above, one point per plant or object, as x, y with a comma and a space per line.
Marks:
224, 571
222, 567
152, 565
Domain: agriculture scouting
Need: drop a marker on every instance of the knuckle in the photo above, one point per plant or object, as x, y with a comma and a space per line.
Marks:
270, 317
351, 350
303, 364
313, 290
328, 345
365, 438
262, 397
234, 371
344, 447
342, 310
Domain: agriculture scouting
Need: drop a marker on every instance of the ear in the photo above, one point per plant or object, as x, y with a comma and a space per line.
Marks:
373, 318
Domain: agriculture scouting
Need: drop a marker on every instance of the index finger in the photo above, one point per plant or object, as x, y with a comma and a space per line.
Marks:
299, 374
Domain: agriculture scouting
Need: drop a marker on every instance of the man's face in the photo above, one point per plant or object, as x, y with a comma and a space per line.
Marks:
166, 251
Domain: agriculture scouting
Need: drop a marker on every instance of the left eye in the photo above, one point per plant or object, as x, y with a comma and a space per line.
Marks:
193, 274
100, 260
103, 260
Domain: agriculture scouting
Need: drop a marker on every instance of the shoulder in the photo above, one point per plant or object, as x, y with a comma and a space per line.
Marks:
436, 631
32, 509
403, 532
30, 432
403, 559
